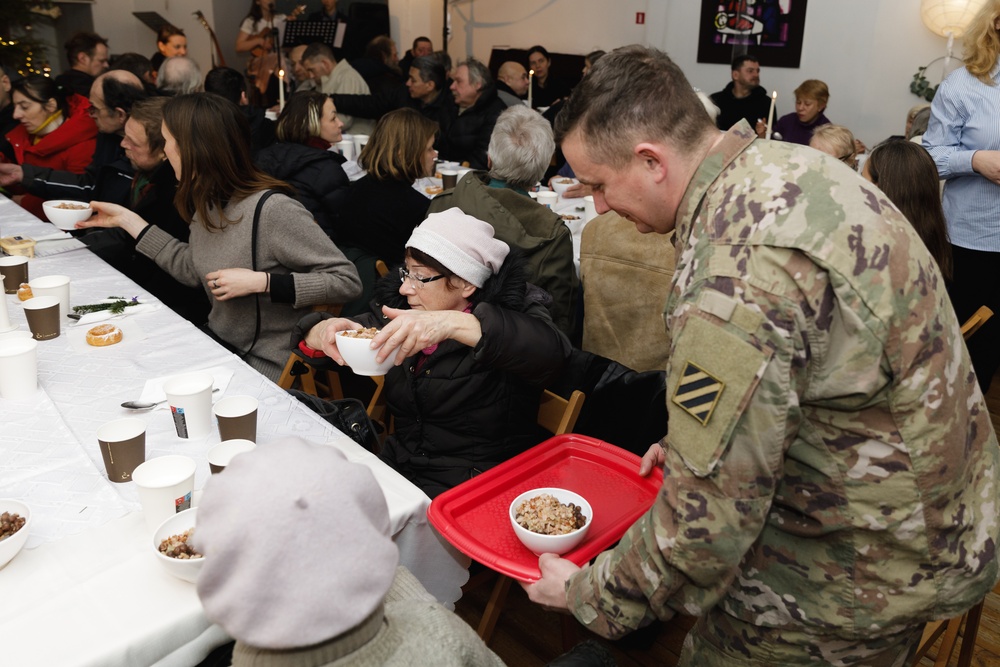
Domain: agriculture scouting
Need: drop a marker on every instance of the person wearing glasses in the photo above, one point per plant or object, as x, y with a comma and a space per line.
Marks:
54, 131
472, 346
107, 175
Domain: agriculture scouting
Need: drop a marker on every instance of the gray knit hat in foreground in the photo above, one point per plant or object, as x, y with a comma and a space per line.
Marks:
462, 244
296, 545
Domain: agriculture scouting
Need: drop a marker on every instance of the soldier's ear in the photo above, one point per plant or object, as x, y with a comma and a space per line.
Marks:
654, 159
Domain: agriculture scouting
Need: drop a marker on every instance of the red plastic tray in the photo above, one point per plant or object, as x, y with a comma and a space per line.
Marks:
473, 515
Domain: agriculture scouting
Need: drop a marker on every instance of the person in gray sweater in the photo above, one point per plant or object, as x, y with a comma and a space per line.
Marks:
257, 293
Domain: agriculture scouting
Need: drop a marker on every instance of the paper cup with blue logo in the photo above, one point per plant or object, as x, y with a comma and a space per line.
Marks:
190, 399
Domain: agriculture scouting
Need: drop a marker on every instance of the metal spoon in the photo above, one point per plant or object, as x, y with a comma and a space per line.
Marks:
143, 405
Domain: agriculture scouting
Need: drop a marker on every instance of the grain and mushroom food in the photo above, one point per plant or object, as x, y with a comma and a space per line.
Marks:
176, 546
544, 514
10, 523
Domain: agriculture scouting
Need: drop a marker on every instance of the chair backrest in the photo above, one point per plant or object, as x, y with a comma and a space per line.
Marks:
381, 268
978, 319
558, 415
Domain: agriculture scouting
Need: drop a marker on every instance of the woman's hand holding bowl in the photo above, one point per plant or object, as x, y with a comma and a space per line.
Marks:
113, 215
323, 336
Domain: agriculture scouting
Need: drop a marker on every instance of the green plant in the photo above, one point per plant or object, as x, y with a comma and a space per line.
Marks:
921, 87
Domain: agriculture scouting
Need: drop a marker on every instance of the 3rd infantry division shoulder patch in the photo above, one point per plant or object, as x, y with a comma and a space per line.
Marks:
698, 392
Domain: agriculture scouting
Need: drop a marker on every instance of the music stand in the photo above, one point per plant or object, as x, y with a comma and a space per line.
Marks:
330, 33
152, 20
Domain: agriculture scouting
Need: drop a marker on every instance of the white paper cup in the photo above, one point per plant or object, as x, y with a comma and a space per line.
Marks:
18, 368
237, 417
16, 334
4, 316
346, 148
547, 198
190, 400
589, 209
359, 142
57, 286
165, 486
220, 455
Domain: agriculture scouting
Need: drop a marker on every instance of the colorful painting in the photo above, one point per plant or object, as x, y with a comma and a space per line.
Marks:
769, 29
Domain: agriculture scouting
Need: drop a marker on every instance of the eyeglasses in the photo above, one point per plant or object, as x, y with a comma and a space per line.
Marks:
416, 283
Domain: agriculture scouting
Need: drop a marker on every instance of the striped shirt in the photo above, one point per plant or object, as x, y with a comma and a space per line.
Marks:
965, 117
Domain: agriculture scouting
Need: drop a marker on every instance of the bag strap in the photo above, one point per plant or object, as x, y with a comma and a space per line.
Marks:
253, 262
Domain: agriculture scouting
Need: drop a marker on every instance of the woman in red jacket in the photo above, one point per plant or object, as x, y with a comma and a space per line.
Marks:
56, 131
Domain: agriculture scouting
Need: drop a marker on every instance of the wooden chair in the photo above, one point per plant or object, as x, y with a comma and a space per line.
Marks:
978, 319
557, 415
950, 630
297, 368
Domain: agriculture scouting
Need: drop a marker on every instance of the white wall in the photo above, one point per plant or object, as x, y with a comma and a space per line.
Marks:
866, 50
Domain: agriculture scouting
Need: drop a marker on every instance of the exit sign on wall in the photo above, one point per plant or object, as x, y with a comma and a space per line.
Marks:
640, 18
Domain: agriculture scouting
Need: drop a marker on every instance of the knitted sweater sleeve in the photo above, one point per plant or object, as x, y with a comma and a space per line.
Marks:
171, 255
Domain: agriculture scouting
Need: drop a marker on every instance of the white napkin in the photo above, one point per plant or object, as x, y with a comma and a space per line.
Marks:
153, 390
145, 306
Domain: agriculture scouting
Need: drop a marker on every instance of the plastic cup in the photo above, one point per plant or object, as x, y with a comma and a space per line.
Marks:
165, 486
359, 142
15, 272
589, 209
18, 368
123, 447
449, 178
346, 148
42, 313
220, 455
547, 198
57, 286
190, 400
237, 417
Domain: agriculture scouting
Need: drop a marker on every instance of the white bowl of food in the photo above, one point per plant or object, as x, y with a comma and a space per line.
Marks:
355, 347
550, 520
65, 213
15, 521
561, 184
170, 544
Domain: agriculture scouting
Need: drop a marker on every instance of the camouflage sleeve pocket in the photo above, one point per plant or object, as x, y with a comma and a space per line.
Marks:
713, 374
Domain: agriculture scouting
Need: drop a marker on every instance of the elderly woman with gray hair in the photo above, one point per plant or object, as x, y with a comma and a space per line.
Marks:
473, 349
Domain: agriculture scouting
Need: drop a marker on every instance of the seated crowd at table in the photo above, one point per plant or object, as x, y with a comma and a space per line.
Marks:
830, 471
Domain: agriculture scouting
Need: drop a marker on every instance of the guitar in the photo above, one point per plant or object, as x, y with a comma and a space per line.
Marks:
215, 42
263, 61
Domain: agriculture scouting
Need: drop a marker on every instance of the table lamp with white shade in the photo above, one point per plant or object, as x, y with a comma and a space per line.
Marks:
949, 18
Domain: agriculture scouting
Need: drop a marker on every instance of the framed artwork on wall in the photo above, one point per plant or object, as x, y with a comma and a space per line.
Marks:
772, 30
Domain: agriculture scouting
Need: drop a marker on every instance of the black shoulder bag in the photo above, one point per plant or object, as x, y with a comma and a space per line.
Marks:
253, 265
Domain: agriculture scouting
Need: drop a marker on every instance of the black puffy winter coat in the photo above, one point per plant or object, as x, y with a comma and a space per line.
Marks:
317, 176
467, 409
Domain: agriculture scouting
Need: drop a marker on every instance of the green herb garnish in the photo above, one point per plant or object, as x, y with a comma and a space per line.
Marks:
117, 306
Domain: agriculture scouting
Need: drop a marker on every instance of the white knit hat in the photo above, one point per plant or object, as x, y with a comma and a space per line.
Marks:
462, 244
296, 545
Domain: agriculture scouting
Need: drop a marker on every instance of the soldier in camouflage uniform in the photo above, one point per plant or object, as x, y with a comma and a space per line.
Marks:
830, 475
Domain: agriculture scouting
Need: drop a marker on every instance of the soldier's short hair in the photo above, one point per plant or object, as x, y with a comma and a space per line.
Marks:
633, 94
521, 147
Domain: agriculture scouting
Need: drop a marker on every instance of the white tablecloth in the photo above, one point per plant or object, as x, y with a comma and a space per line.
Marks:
87, 590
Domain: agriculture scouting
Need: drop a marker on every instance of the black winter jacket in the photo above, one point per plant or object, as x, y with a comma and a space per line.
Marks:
317, 176
467, 409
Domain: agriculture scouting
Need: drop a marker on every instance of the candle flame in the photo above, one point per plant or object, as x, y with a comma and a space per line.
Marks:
531, 72
774, 95
281, 73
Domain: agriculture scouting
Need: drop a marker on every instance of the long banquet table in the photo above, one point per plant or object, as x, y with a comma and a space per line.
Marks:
87, 589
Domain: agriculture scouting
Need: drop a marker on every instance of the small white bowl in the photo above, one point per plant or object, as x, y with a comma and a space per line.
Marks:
360, 357
560, 187
12, 545
552, 544
182, 569
66, 218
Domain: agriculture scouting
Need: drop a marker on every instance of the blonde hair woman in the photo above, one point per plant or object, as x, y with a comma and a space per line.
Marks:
963, 137
836, 140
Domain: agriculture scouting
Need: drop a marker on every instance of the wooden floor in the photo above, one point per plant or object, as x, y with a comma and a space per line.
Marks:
527, 636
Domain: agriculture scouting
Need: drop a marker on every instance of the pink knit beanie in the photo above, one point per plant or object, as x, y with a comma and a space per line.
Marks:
463, 244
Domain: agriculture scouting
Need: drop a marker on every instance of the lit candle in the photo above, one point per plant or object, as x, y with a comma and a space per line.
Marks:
281, 91
770, 114
531, 74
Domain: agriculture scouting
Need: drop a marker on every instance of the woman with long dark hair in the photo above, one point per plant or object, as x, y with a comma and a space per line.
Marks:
905, 172
262, 262
55, 130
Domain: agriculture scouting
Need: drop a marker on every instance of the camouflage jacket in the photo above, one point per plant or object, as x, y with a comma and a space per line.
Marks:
831, 467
